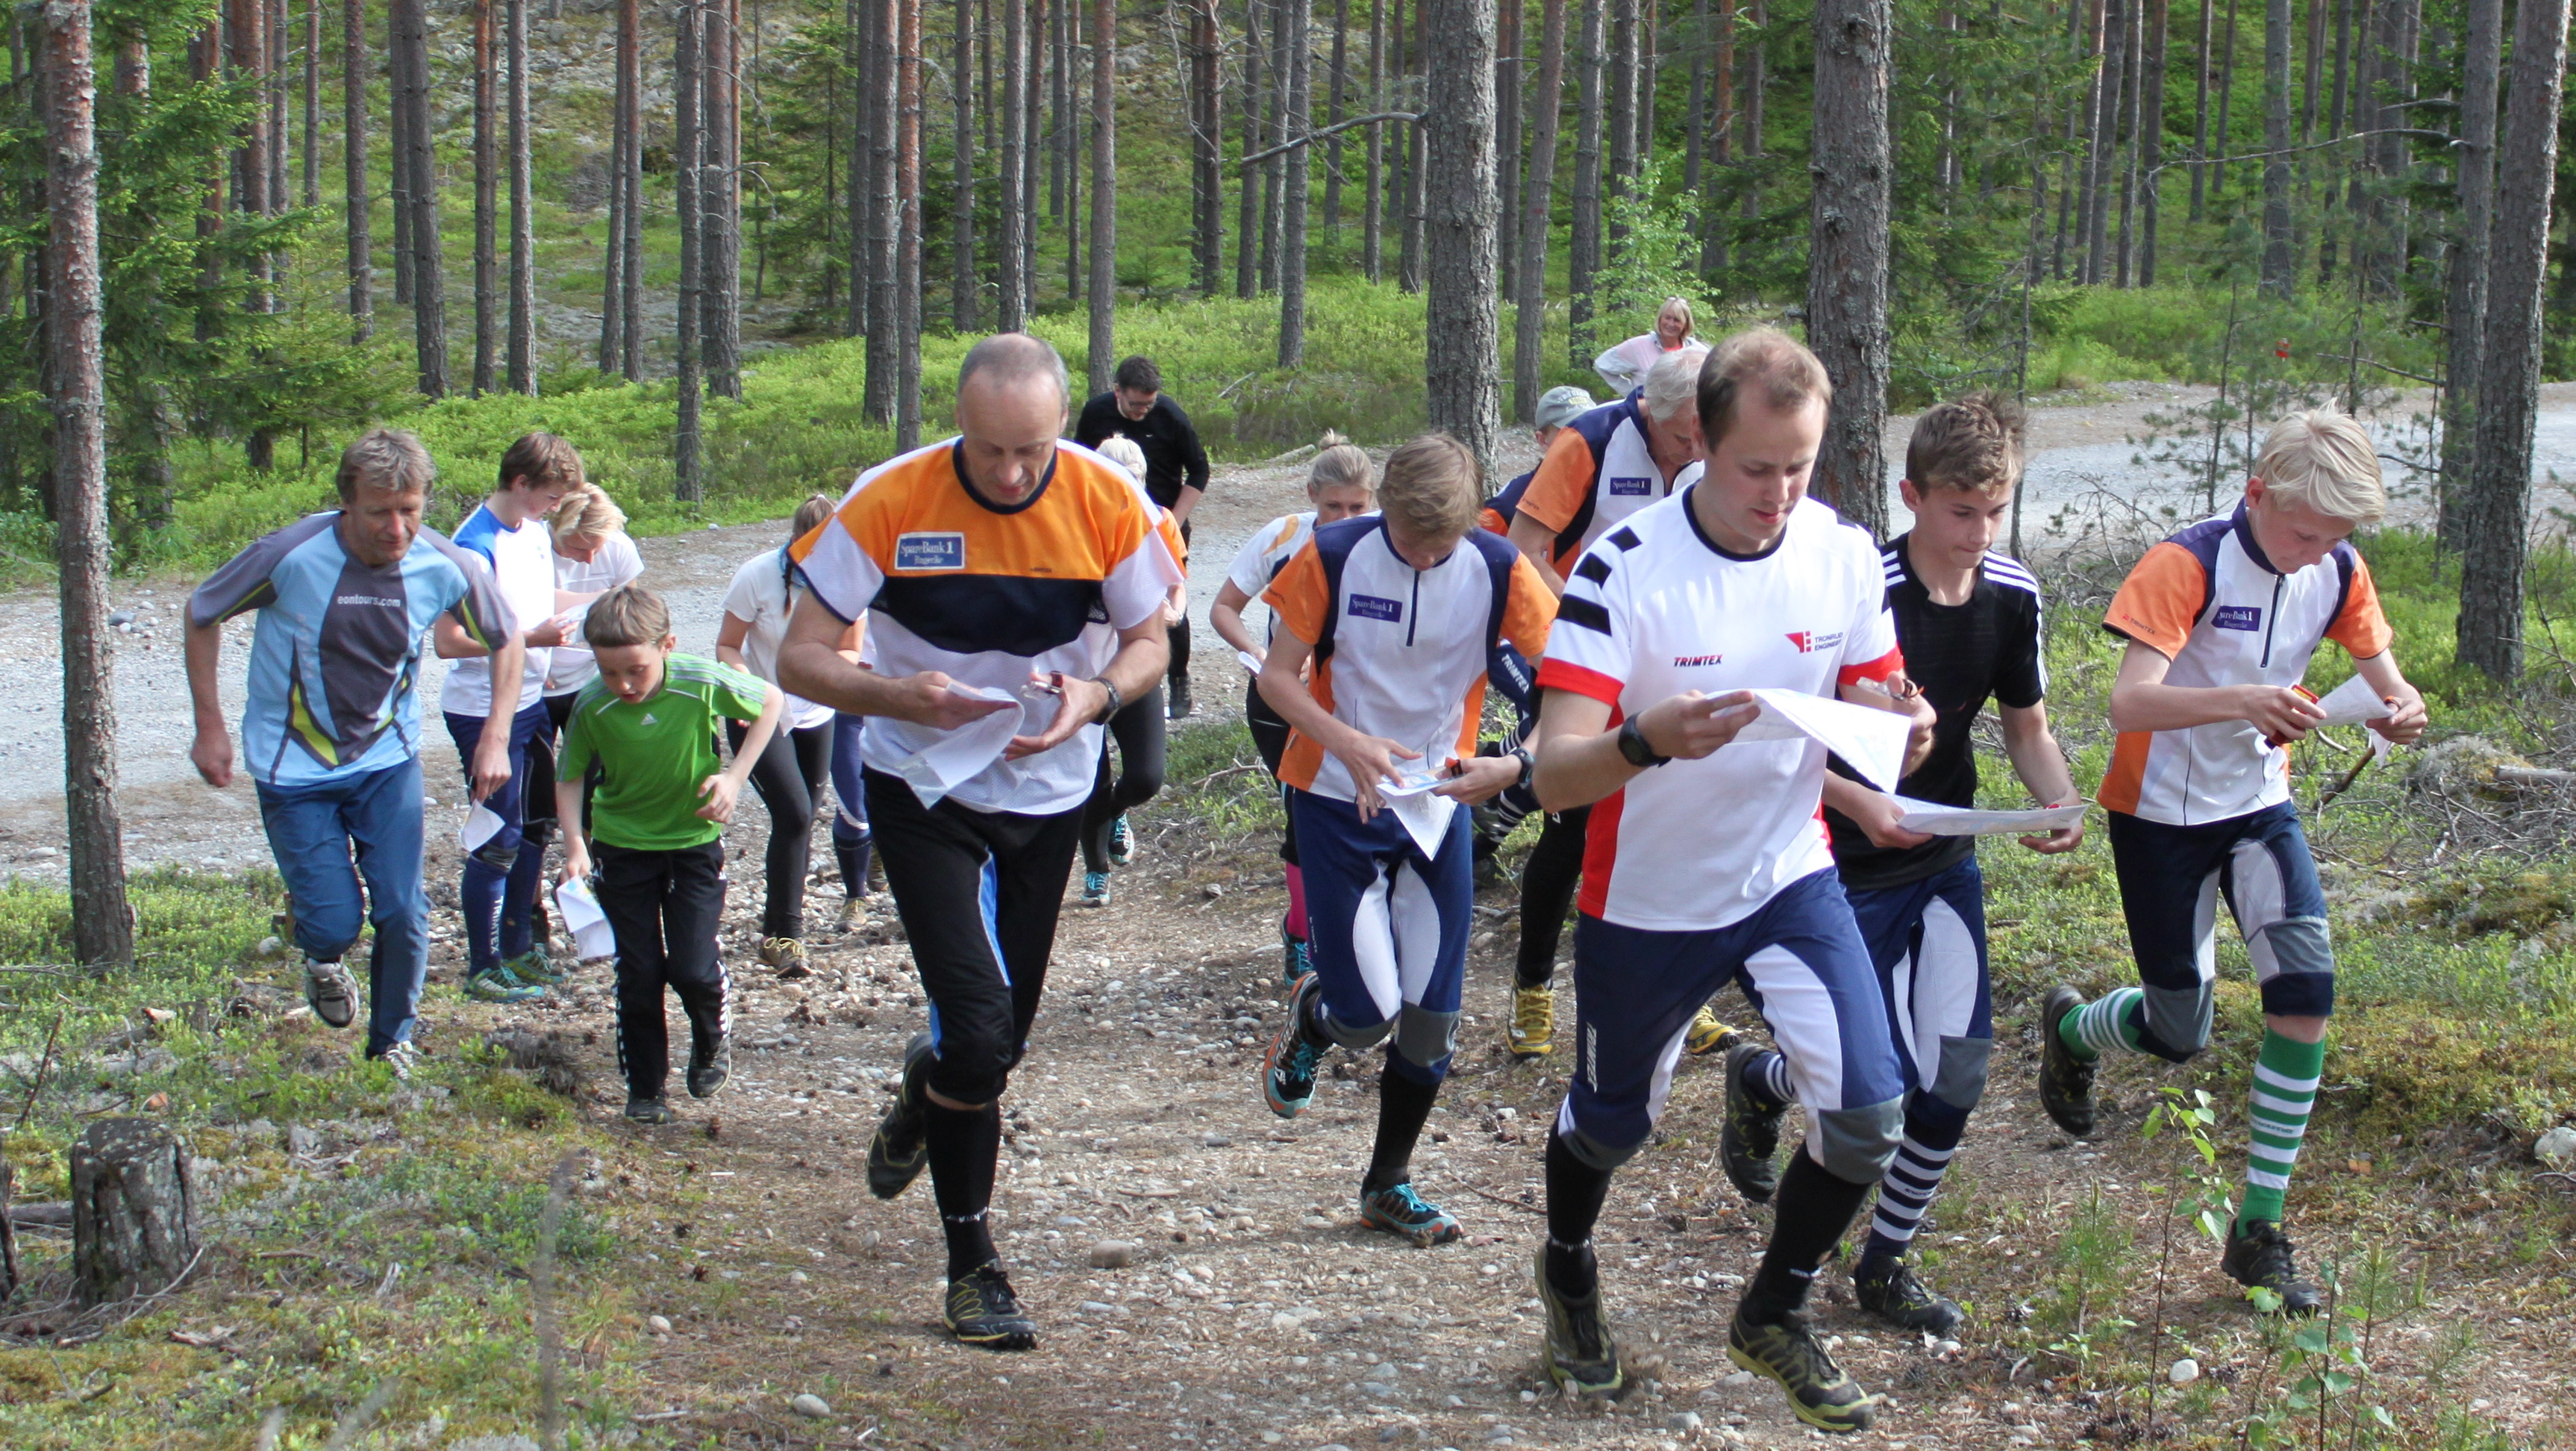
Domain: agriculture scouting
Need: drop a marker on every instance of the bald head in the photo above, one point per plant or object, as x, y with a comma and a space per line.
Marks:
1009, 362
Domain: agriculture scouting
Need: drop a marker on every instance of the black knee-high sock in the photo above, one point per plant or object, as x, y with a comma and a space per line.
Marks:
1813, 1209
1403, 1106
853, 858
963, 1145
1575, 1192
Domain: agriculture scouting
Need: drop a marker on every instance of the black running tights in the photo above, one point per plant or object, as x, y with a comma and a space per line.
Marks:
1138, 730
790, 777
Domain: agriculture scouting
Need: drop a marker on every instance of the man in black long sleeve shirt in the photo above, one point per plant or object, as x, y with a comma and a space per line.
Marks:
1176, 470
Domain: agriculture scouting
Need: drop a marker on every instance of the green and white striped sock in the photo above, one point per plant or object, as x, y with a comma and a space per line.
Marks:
2285, 1089
2109, 1021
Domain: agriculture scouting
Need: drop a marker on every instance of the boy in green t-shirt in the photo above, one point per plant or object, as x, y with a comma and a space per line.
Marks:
658, 820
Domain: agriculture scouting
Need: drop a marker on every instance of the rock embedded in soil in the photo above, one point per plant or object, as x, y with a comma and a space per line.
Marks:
811, 1405
1112, 1254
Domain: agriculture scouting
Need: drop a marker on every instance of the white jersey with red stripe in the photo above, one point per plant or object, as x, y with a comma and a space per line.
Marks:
1655, 608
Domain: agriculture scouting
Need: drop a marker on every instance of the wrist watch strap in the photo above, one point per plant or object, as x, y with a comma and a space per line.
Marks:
1116, 700
1633, 747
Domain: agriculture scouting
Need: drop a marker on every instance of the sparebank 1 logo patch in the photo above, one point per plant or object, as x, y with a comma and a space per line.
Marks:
1811, 641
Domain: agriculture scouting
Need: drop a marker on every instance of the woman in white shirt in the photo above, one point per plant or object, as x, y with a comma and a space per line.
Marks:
1342, 484
1624, 367
791, 774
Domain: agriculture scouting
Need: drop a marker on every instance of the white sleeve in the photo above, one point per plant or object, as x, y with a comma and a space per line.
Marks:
626, 562
742, 598
1139, 584
1250, 571
841, 574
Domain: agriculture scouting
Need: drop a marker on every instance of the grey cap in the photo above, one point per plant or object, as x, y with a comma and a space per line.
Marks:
1558, 407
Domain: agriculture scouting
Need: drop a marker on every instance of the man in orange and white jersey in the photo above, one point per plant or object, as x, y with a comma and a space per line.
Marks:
1002, 562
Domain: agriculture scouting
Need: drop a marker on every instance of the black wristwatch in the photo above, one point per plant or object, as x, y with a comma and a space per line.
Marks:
1115, 699
1633, 748
1529, 765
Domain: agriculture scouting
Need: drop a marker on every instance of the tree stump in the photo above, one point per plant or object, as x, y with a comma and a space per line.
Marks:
134, 1220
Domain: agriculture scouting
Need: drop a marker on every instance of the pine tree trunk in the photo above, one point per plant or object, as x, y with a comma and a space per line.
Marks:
246, 33
1757, 86
1399, 144
1274, 172
1058, 115
2151, 142
397, 146
523, 218
962, 310
2099, 99
688, 156
134, 1202
1012, 266
102, 921
277, 121
2200, 119
428, 277
312, 103
1207, 144
487, 177
1247, 221
1417, 156
720, 200
1650, 66
1373, 208
612, 285
1463, 323
1583, 247
2465, 299
2311, 93
1622, 118
2226, 102
2278, 273
2131, 121
1292, 232
630, 53
1537, 205
1847, 267
8, 1235
908, 297
1104, 193
1508, 77
858, 53
354, 65
1720, 121
1337, 85
1073, 148
2497, 533
877, 391
1032, 151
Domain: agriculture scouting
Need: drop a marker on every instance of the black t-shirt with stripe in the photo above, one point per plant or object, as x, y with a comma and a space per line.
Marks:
1961, 655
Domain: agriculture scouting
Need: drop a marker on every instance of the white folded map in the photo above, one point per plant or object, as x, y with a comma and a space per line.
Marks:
1425, 816
1872, 741
953, 759
1931, 818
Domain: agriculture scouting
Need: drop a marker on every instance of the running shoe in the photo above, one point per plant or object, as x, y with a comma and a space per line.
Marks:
331, 992
854, 913
402, 1058
899, 1152
648, 1110
534, 966
1893, 1294
710, 1064
983, 1312
1122, 842
1288, 1069
1095, 889
1707, 1035
785, 956
1294, 960
1820, 1394
1402, 1212
2258, 1257
1533, 1030
498, 985
2065, 1081
1577, 1349
1748, 1137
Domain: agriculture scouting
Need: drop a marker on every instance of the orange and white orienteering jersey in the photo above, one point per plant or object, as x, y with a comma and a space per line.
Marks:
990, 595
1403, 651
2209, 601
1657, 608
1597, 472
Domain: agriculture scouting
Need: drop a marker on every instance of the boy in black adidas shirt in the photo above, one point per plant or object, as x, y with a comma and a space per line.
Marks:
1968, 621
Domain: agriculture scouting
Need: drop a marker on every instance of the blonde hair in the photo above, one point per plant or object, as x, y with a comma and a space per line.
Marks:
2322, 459
1971, 443
1123, 451
1672, 384
386, 458
1690, 319
1788, 375
1432, 488
586, 512
627, 615
1339, 464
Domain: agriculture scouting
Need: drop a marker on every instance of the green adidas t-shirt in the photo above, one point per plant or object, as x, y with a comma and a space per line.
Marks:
653, 754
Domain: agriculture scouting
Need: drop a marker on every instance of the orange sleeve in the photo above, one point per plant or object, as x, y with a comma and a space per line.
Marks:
1172, 540
1300, 597
1556, 491
2360, 628
1529, 610
2161, 599
1492, 522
